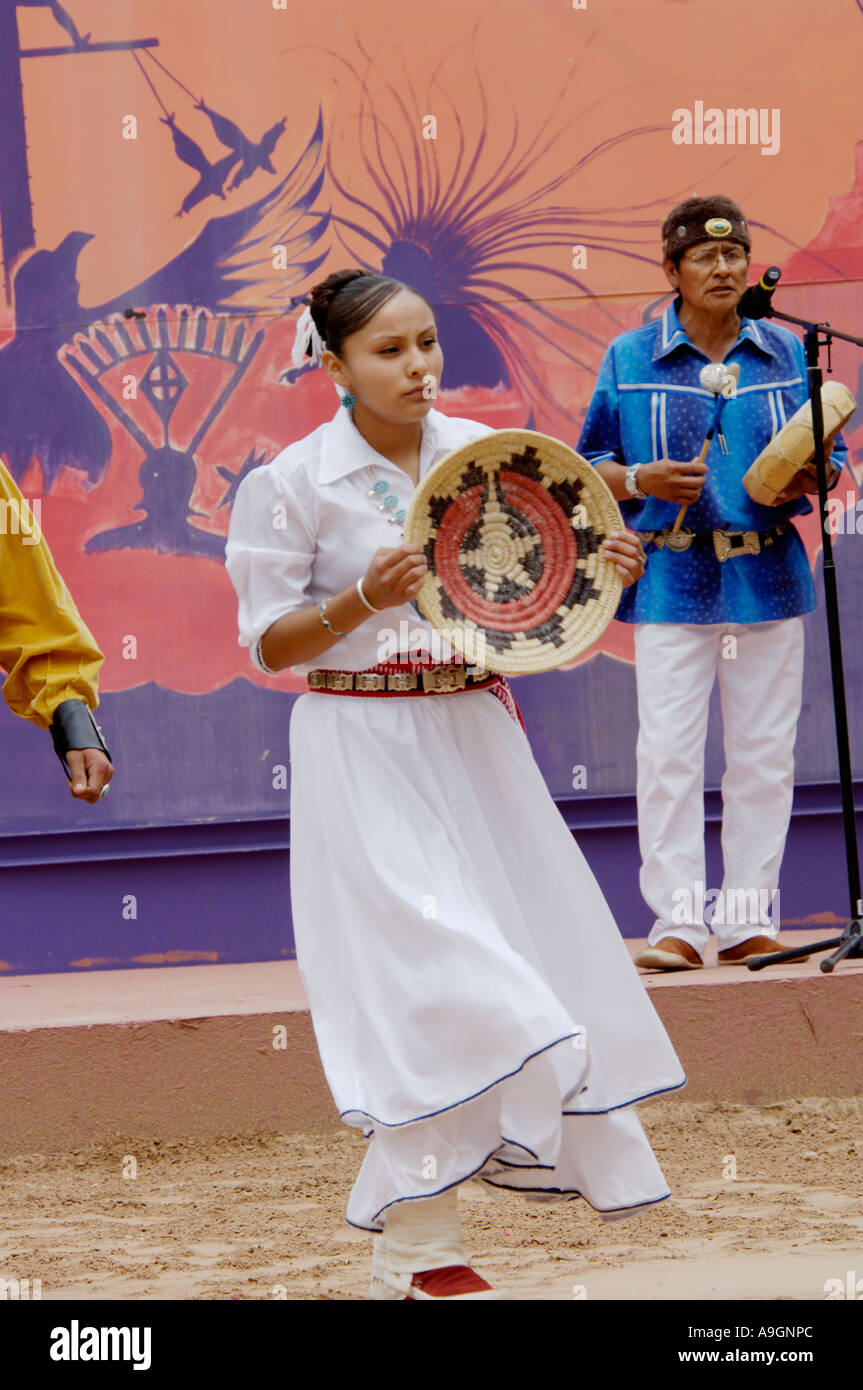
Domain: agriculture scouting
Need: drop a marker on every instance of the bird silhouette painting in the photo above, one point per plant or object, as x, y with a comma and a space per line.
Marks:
44, 414
211, 182
250, 156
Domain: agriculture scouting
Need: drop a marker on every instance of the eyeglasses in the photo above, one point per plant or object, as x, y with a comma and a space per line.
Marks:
734, 257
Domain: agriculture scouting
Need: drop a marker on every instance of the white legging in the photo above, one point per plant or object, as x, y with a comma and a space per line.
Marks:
418, 1235
423, 1234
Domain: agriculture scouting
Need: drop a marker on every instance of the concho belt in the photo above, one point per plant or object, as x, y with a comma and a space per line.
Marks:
393, 678
726, 544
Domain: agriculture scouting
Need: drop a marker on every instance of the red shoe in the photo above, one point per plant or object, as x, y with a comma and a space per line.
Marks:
451, 1282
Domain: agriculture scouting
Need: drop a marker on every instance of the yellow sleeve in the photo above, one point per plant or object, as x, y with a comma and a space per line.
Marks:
45, 646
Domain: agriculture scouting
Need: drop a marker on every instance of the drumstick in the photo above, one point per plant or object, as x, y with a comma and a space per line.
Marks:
721, 378
708, 440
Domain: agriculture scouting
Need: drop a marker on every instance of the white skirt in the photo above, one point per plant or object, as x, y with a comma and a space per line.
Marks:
476, 1010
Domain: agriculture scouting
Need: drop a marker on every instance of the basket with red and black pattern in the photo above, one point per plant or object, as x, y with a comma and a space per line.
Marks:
512, 527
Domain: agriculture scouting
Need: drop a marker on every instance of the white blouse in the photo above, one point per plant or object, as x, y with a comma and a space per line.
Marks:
303, 528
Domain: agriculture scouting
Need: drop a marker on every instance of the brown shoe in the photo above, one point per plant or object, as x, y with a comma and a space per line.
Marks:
753, 946
669, 954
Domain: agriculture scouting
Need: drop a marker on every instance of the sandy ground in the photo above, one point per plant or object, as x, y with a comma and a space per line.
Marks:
263, 1218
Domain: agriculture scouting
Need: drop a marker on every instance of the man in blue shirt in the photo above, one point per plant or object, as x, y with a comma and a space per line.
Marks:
722, 600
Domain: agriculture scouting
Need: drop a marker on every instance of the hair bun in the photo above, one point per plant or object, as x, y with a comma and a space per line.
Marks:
321, 296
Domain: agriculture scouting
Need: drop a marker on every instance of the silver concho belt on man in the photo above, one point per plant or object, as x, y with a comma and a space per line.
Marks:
726, 544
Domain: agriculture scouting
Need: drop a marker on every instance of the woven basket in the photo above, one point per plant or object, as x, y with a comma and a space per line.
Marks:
512, 527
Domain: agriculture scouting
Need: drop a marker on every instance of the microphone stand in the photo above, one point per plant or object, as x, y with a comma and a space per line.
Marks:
850, 943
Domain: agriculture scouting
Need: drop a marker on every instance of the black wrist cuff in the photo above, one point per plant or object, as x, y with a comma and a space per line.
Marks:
73, 726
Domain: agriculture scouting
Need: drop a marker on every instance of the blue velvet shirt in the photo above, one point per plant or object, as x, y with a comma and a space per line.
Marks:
648, 405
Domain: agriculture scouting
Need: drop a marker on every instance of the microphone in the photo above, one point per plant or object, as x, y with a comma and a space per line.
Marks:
755, 301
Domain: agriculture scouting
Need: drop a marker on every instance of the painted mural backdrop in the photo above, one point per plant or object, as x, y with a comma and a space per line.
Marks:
174, 178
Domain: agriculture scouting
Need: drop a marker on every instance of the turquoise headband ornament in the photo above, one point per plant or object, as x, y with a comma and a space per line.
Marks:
697, 229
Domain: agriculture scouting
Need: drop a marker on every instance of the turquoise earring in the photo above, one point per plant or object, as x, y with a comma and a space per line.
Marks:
348, 400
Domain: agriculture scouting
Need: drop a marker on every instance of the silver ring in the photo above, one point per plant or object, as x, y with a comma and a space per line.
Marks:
105, 790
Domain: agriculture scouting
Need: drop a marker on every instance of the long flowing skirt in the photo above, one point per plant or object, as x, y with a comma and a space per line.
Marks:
476, 1010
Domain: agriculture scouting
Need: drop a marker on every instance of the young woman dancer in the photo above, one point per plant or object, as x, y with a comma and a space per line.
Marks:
475, 1007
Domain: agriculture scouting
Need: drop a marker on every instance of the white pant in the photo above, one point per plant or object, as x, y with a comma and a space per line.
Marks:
760, 670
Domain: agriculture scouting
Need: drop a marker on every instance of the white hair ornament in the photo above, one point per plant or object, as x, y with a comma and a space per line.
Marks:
307, 337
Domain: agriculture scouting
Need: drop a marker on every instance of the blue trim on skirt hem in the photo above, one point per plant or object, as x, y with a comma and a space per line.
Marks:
400, 1124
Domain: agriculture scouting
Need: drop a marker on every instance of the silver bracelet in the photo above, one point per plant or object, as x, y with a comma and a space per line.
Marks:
324, 620
261, 662
369, 606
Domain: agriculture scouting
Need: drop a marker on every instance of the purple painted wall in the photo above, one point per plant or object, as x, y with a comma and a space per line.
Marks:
211, 885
